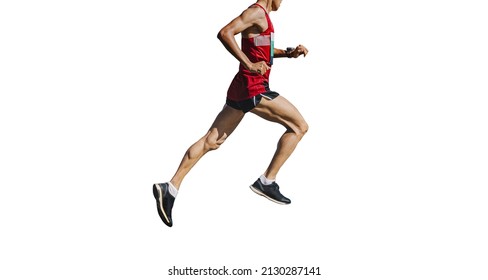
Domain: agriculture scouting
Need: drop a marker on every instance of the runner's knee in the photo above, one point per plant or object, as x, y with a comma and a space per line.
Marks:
301, 129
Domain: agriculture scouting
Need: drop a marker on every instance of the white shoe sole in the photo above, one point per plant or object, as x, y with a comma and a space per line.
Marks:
262, 194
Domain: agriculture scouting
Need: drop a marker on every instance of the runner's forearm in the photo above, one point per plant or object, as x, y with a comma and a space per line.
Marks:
229, 42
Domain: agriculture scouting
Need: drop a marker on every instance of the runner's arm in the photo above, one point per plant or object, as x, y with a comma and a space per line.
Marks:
294, 52
226, 35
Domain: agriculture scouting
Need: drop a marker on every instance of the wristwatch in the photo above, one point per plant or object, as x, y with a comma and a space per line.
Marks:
288, 51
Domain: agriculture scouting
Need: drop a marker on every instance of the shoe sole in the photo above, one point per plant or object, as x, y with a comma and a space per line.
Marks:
159, 203
257, 191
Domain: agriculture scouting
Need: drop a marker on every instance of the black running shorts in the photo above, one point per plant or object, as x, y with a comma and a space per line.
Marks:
249, 104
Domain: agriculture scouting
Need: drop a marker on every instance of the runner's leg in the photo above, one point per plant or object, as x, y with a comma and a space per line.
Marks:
224, 124
282, 111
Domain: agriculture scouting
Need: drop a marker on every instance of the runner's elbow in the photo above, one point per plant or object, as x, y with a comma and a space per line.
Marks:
220, 34
223, 34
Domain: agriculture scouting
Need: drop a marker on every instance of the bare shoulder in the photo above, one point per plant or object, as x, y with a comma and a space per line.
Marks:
256, 18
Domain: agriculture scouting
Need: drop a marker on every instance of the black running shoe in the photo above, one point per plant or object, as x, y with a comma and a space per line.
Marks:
271, 192
164, 202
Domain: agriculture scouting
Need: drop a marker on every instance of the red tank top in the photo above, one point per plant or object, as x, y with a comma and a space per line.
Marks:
259, 48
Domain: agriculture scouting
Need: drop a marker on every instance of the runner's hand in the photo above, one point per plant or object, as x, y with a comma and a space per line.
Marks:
260, 67
299, 51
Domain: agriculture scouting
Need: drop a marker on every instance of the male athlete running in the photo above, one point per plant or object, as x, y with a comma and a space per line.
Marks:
248, 92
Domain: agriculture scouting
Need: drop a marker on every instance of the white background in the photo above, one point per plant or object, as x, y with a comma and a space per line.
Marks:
100, 99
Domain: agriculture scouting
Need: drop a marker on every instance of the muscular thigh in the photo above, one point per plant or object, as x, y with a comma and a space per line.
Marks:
225, 123
282, 111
